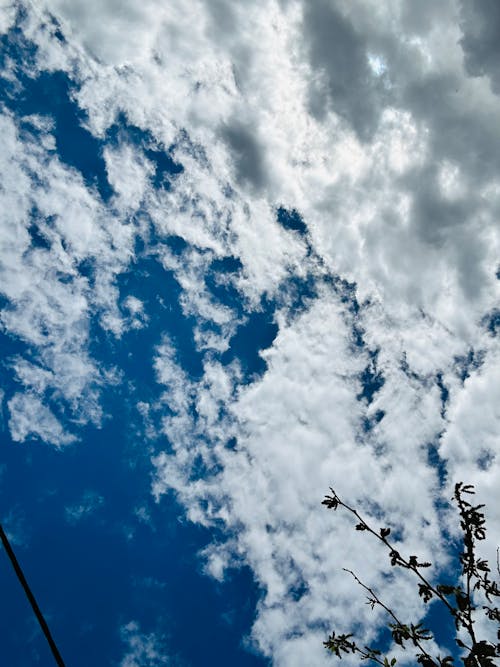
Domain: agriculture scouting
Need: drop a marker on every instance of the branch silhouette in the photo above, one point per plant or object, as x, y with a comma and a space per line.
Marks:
456, 599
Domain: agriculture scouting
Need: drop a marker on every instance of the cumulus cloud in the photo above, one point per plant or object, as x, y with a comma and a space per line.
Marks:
116, 19
247, 154
29, 417
297, 431
344, 80
384, 139
480, 22
47, 300
7, 15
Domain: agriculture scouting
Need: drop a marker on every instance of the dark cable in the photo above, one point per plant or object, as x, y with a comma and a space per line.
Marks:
31, 598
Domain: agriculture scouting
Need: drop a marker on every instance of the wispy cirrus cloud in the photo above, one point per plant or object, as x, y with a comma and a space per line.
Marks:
143, 650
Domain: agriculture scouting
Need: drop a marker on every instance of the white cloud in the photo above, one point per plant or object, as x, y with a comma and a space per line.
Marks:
470, 444
393, 165
143, 650
128, 173
296, 431
32, 376
47, 298
49, 301
317, 165
7, 15
104, 25
29, 417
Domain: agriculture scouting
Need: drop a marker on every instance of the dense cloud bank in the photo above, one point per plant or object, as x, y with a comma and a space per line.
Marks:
373, 126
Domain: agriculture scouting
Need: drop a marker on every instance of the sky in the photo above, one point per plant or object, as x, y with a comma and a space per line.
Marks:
248, 251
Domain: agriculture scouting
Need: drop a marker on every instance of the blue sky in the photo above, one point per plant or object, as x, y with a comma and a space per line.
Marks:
245, 255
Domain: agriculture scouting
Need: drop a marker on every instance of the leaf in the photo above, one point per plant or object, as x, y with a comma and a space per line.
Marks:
483, 649
460, 605
425, 592
462, 601
414, 563
331, 502
426, 661
395, 557
341, 643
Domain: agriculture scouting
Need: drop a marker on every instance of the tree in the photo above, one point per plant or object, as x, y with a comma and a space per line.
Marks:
458, 600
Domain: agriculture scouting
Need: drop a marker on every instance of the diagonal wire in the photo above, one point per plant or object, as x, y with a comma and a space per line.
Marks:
31, 598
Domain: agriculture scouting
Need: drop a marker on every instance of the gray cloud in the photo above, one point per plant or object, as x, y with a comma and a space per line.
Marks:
438, 99
223, 17
465, 137
480, 42
347, 84
460, 124
432, 214
419, 17
247, 154
448, 225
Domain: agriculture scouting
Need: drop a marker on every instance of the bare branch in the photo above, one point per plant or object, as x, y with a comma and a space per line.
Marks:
474, 570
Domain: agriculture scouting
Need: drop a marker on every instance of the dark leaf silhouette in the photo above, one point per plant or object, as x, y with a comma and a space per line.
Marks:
457, 600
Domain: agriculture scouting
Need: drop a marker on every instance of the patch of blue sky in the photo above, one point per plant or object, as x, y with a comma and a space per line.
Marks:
492, 322
160, 293
438, 617
466, 364
439, 465
298, 293
371, 379
251, 338
166, 168
129, 558
50, 94
95, 574
36, 231
291, 220
444, 393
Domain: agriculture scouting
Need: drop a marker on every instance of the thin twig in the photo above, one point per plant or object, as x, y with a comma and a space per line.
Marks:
401, 559
387, 609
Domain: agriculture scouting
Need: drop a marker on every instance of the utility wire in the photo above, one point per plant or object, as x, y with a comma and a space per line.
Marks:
31, 598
